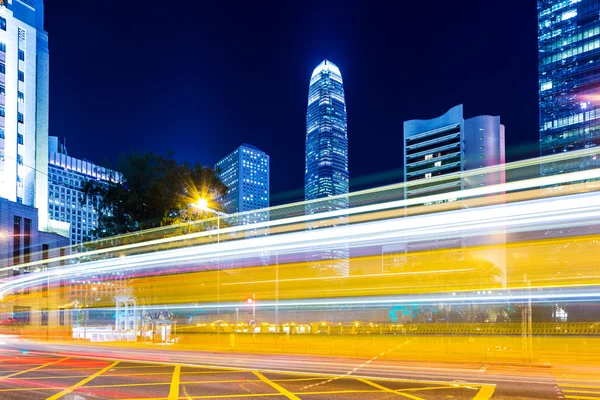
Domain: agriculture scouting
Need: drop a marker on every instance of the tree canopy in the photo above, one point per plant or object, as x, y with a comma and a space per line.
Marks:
153, 191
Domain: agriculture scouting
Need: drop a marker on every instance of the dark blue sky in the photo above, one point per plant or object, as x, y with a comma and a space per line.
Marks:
200, 78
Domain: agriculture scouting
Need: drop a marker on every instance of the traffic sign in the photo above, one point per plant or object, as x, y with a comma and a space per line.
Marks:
252, 322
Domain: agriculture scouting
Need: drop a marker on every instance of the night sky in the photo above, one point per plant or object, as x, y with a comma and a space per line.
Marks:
200, 78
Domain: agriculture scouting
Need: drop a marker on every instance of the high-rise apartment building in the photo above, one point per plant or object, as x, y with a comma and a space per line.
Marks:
569, 77
451, 144
245, 172
326, 171
66, 176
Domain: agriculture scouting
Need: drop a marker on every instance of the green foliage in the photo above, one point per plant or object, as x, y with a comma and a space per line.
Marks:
155, 191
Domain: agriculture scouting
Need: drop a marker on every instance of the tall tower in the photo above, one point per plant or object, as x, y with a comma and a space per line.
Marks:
568, 53
326, 172
24, 105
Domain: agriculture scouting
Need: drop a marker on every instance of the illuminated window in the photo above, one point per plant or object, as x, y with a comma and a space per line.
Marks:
546, 86
2, 111
2, 90
20, 117
21, 55
21, 97
438, 164
3, 23
21, 76
3, 47
429, 156
428, 175
2, 68
19, 138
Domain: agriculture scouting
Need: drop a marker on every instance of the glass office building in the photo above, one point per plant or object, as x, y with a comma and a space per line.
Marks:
245, 172
66, 177
326, 172
569, 80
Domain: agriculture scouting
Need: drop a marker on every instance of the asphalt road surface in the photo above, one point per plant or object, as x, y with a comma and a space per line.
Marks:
78, 372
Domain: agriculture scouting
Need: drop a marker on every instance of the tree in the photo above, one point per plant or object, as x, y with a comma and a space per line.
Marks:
153, 191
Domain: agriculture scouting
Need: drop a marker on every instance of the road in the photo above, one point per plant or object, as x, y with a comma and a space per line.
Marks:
78, 372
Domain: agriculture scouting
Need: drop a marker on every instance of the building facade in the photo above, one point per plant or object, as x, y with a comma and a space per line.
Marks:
245, 172
569, 75
326, 163
24, 105
66, 176
450, 144
326, 175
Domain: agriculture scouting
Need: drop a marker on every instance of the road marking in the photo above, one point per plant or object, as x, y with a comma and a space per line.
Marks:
33, 369
386, 389
582, 397
485, 392
276, 386
580, 391
570, 385
174, 391
83, 382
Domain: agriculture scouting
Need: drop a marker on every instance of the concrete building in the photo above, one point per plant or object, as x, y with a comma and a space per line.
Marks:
450, 144
24, 105
245, 171
568, 56
66, 176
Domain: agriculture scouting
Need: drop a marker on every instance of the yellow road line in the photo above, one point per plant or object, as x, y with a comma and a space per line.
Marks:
485, 392
232, 396
428, 388
169, 383
580, 391
386, 389
33, 369
582, 397
275, 386
83, 382
344, 391
570, 385
174, 390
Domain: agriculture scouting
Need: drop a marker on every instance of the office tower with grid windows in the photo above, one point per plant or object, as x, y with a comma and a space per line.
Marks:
326, 176
24, 105
326, 163
24, 84
569, 73
66, 175
245, 172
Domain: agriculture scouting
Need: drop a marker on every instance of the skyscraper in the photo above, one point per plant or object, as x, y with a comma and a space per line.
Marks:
245, 172
568, 59
326, 171
66, 176
24, 105
24, 97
